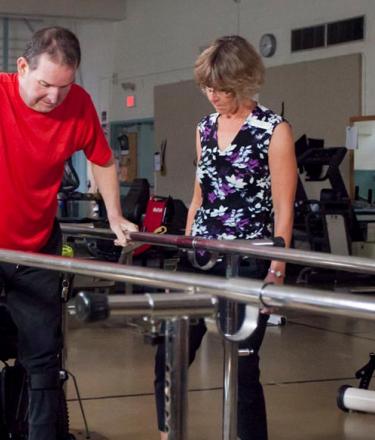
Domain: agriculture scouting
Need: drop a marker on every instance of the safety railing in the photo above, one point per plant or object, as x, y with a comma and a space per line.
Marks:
247, 291
253, 248
228, 324
175, 308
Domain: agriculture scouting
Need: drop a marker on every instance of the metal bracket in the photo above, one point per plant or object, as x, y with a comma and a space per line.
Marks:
261, 293
247, 328
365, 373
214, 258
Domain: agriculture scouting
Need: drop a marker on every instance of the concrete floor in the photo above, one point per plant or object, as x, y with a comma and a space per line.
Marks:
303, 365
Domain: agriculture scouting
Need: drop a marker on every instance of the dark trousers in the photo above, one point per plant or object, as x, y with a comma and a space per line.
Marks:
252, 422
33, 300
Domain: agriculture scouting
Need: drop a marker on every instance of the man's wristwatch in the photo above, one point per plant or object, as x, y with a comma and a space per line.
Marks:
277, 273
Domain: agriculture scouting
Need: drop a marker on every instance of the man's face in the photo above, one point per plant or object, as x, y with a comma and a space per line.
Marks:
45, 87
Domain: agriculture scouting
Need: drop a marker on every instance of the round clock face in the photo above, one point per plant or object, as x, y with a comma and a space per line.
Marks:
267, 45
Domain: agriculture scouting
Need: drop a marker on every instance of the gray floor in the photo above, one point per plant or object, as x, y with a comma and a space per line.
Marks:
303, 365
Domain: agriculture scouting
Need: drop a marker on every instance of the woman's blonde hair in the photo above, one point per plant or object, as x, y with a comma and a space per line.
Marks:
230, 64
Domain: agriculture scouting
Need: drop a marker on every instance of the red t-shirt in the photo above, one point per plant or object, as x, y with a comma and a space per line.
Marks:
33, 149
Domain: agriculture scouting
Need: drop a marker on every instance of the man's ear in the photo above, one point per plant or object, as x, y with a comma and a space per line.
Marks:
22, 66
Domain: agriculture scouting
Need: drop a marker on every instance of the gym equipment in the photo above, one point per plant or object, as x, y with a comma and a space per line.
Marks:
149, 213
176, 311
235, 289
162, 214
328, 224
361, 398
135, 202
74, 206
314, 217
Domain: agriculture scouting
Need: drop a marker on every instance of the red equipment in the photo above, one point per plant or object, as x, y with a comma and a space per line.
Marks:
154, 219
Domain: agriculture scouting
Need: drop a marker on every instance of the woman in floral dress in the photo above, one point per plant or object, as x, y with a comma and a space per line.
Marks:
244, 189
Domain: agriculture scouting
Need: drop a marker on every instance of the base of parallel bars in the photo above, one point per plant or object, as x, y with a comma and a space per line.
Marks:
176, 377
230, 392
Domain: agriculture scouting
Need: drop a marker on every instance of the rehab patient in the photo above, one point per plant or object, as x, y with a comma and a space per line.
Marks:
45, 118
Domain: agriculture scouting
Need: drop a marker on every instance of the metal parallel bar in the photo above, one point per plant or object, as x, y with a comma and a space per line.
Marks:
89, 306
256, 248
319, 301
169, 240
176, 377
161, 305
177, 337
230, 367
238, 289
126, 257
230, 390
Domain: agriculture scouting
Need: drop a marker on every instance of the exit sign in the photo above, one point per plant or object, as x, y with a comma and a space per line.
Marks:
130, 101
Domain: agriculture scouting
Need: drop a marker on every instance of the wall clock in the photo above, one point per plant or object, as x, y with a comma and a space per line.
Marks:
267, 45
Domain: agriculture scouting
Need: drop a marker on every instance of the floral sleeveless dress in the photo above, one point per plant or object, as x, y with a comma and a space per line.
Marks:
236, 183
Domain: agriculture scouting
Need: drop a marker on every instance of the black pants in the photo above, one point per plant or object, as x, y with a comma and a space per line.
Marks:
33, 300
252, 422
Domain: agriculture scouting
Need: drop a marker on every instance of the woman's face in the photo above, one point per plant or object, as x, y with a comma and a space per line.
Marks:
223, 102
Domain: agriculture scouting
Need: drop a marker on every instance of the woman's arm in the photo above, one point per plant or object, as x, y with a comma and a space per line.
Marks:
283, 170
196, 201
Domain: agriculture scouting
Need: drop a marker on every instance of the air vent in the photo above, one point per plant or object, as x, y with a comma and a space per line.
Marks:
328, 34
346, 30
308, 38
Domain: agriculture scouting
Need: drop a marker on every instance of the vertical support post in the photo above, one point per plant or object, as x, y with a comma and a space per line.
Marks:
176, 379
129, 262
126, 257
5, 44
230, 392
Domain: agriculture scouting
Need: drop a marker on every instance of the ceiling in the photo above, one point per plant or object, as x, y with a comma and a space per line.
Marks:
79, 9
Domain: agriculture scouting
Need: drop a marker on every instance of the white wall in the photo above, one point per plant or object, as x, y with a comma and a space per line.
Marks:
98, 49
159, 40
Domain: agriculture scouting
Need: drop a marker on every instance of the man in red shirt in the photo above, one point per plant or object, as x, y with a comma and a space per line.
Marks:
45, 118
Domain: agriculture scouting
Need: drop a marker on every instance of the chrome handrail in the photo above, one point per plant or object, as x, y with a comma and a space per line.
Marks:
263, 249
236, 289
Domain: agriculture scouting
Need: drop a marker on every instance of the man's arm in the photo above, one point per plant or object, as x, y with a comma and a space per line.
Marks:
107, 181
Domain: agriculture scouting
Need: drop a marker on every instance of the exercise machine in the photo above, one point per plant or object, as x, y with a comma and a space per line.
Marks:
361, 399
327, 223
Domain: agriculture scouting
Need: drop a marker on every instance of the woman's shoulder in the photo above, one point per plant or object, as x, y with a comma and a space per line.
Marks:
264, 118
207, 121
267, 115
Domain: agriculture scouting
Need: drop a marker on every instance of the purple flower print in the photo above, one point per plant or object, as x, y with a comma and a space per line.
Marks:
252, 164
234, 157
226, 189
242, 223
226, 217
206, 133
212, 197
